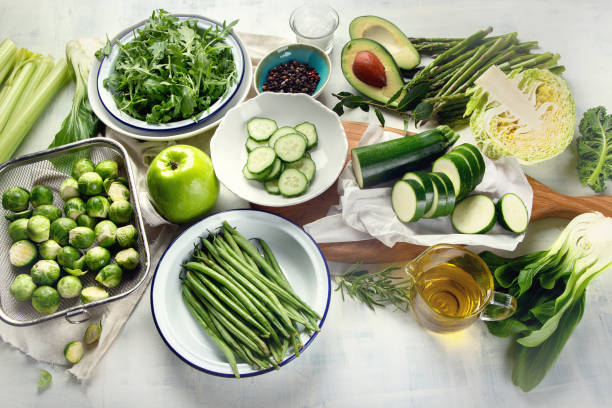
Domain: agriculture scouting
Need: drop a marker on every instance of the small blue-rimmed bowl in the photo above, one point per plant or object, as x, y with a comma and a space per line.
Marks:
303, 53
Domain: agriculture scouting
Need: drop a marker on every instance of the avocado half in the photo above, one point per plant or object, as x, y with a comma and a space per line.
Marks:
392, 38
370, 69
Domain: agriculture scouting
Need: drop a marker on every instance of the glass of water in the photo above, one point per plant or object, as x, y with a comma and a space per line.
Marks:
314, 24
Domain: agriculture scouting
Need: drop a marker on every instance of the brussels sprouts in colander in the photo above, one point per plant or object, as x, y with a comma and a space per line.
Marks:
81, 237
106, 231
69, 287
90, 184
69, 189
41, 195
67, 256
59, 230
126, 236
45, 272
93, 294
97, 207
45, 299
97, 258
74, 207
15, 199
107, 169
127, 259
118, 192
22, 287
110, 275
81, 167
120, 212
49, 211
38, 228
18, 229
22, 253
85, 220
49, 249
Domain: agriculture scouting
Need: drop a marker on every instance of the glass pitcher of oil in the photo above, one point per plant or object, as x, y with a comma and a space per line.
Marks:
452, 288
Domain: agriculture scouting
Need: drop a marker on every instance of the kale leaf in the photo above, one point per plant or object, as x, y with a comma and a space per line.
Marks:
595, 149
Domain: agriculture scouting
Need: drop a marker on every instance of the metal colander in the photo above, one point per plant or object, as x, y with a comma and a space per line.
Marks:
37, 168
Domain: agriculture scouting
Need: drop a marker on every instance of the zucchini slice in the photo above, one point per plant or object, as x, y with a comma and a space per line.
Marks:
282, 131
261, 129
408, 200
438, 202
310, 131
472, 165
271, 187
290, 148
252, 144
458, 171
512, 213
260, 159
306, 165
447, 191
424, 180
292, 183
468, 147
474, 215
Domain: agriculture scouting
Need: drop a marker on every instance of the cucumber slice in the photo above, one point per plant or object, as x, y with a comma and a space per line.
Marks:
272, 187
306, 165
408, 200
290, 148
261, 129
260, 159
275, 171
252, 144
474, 215
472, 165
448, 191
310, 131
282, 131
458, 171
468, 147
292, 183
424, 180
259, 177
512, 213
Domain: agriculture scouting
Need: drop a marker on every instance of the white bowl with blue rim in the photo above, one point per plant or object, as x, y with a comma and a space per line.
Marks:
298, 255
302, 53
107, 65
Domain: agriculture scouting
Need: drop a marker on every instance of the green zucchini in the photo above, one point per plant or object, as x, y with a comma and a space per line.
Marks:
446, 194
425, 181
474, 215
512, 213
380, 162
408, 200
458, 170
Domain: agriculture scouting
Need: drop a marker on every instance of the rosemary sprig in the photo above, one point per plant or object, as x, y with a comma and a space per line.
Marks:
375, 289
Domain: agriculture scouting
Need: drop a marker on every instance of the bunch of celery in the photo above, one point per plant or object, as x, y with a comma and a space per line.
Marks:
28, 81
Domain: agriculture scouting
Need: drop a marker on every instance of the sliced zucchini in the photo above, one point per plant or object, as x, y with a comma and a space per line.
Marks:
512, 213
306, 165
310, 131
474, 215
275, 171
458, 171
292, 183
438, 201
408, 200
252, 144
261, 159
261, 129
424, 180
476, 153
271, 186
290, 148
282, 131
447, 191
472, 165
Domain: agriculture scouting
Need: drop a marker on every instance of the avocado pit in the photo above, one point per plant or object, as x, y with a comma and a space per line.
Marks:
368, 68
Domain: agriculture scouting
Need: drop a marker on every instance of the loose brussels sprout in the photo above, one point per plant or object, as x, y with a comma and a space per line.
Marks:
44, 380
22, 253
74, 207
92, 333
105, 233
69, 287
81, 167
18, 229
19, 215
76, 271
120, 212
49, 249
81, 237
127, 259
41, 195
59, 230
97, 258
74, 352
22, 287
118, 192
107, 169
45, 272
69, 189
38, 228
93, 294
15, 199
110, 275
98, 207
126, 236
90, 184
85, 220
67, 256
45, 299
48, 210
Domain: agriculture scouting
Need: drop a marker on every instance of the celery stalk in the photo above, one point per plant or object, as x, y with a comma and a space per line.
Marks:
8, 52
14, 89
22, 57
43, 67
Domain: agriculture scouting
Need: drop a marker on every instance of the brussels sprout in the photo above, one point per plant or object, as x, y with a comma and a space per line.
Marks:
38, 228
49, 249
22, 287
59, 230
79, 263
98, 207
47, 210
18, 229
67, 256
118, 192
92, 333
97, 258
19, 215
81, 237
45, 272
93, 293
44, 380
126, 236
22, 253
85, 220
76, 271
41, 195
81, 167
15, 199
110, 275
74, 352
69, 287
74, 207
90, 184
45, 299
105, 233
127, 259
107, 169
120, 212
69, 189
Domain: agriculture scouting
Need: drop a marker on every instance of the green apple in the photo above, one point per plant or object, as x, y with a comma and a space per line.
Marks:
182, 183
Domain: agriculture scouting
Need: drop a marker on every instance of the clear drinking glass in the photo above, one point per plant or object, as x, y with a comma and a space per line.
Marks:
314, 24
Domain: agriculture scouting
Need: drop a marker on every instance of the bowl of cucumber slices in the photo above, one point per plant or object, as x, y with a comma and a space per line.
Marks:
279, 149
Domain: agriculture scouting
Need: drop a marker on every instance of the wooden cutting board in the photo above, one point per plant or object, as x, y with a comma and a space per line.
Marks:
546, 204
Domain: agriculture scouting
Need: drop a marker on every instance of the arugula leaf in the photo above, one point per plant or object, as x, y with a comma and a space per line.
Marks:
595, 149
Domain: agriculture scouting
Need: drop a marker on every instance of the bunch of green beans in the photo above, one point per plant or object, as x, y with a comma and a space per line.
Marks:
243, 301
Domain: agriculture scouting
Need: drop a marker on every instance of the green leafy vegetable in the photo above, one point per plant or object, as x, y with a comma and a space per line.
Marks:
44, 380
595, 149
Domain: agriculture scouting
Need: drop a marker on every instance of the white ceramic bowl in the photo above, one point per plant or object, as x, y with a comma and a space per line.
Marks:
229, 154
297, 254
